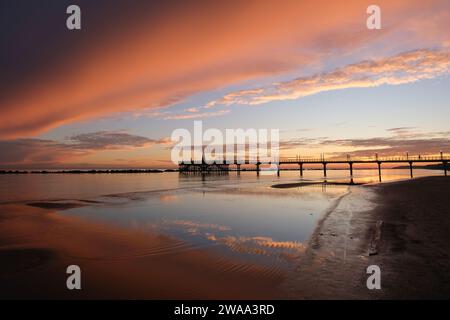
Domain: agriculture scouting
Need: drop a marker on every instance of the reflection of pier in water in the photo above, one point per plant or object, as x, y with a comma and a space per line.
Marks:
213, 166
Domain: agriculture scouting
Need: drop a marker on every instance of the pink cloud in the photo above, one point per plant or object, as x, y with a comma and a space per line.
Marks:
400, 69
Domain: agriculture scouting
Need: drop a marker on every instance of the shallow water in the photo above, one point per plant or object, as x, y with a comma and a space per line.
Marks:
29, 187
237, 217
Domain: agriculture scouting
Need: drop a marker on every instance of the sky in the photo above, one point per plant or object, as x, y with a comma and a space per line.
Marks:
111, 94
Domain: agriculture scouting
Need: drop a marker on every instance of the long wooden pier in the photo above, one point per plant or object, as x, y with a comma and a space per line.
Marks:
302, 161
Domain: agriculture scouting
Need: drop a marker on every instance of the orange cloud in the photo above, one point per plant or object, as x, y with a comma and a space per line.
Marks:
144, 59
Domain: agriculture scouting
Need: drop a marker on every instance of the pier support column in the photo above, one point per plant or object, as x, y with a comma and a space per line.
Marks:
278, 170
379, 170
351, 168
324, 169
301, 169
411, 168
445, 167
258, 168
238, 168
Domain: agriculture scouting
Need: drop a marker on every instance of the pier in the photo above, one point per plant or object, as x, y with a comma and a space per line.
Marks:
301, 162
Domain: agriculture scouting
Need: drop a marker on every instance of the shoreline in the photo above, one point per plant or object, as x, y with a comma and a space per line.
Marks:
312, 183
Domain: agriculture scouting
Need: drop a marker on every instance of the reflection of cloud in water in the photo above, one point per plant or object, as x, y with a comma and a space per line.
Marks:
261, 245
257, 245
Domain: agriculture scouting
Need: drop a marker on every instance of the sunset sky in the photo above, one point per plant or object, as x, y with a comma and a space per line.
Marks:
110, 94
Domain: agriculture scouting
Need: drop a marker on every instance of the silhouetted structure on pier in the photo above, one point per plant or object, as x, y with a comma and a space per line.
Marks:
203, 167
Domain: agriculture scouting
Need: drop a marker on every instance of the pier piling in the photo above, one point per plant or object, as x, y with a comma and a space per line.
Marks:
411, 168
379, 170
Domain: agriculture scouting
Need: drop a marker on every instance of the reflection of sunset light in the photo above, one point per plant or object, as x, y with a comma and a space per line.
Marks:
260, 245
168, 198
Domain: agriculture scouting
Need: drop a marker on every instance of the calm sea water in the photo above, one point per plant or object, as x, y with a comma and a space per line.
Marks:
239, 216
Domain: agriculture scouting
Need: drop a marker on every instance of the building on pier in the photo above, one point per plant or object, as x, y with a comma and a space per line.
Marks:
203, 167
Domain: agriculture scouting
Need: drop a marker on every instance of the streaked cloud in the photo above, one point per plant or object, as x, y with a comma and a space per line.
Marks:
34, 151
400, 129
196, 115
393, 146
401, 140
404, 68
102, 140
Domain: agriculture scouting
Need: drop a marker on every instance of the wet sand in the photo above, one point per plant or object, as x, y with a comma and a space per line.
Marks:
55, 205
404, 231
37, 245
311, 183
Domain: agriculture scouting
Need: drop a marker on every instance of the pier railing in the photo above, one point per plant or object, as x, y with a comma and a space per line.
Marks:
300, 159
415, 158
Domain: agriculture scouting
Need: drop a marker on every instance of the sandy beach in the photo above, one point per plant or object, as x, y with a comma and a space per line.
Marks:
415, 244
37, 243
412, 252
